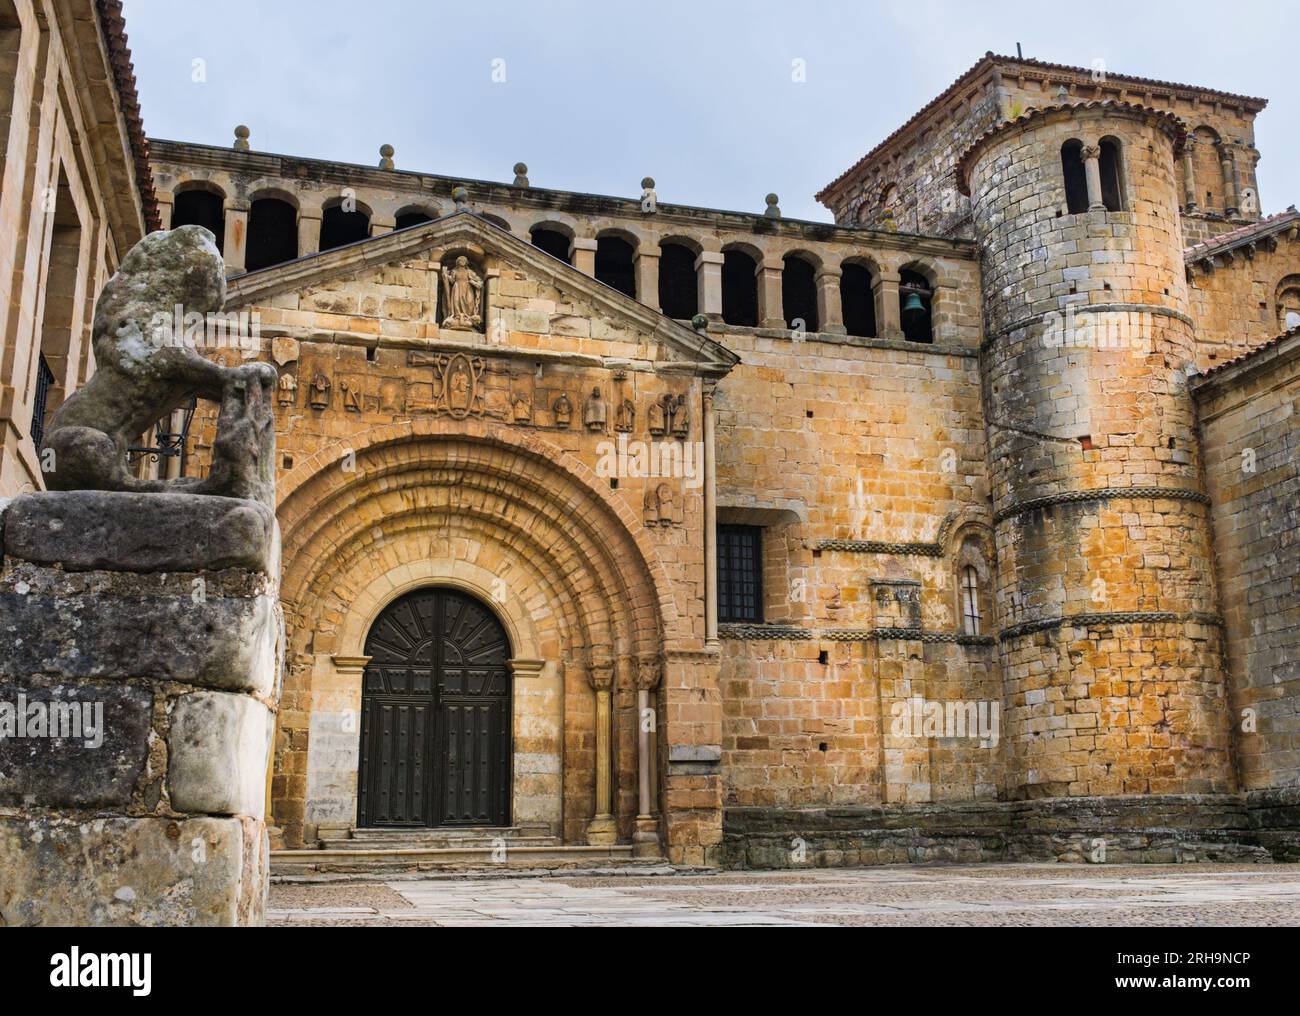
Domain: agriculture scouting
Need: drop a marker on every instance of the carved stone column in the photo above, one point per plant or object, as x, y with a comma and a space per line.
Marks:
1231, 190
379, 225
583, 253
646, 838
708, 275
889, 314
647, 275
710, 521
1091, 156
771, 312
309, 232
602, 831
830, 312
165, 200
1189, 175
234, 244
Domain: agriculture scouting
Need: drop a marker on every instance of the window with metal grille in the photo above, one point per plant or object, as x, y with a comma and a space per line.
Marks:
44, 382
740, 574
970, 599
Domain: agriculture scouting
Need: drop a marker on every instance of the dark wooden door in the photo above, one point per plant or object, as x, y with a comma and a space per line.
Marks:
435, 715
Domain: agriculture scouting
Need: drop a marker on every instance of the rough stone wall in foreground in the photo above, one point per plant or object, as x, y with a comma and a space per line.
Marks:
157, 617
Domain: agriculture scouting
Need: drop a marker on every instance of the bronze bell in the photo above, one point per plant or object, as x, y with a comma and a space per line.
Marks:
913, 306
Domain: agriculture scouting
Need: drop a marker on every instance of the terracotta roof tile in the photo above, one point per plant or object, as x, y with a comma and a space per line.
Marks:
991, 60
1262, 347
1241, 235
113, 26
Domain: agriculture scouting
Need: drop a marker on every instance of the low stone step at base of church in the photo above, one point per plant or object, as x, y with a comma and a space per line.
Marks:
485, 858
443, 838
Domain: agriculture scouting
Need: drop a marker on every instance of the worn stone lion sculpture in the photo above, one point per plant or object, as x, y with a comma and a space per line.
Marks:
142, 374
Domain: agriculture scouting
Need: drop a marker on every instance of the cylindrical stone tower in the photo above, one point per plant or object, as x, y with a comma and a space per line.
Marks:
1109, 636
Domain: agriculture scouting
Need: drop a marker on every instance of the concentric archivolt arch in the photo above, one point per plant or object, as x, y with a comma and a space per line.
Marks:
537, 516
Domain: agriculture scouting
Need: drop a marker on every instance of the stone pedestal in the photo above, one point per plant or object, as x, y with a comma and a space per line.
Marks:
145, 631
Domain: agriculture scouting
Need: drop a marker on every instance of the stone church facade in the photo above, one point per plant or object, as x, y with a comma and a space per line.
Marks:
958, 528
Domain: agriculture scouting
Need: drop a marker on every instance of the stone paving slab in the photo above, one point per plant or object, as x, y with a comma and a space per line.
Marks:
995, 895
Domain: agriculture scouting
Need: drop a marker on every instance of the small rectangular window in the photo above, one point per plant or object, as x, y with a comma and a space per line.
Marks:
740, 574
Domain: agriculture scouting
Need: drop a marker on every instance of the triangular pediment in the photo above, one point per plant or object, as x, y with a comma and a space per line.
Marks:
580, 296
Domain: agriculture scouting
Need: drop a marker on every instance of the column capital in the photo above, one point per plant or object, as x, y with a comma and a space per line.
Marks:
585, 243
649, 673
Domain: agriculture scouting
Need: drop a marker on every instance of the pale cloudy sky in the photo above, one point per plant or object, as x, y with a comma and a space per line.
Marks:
696, 93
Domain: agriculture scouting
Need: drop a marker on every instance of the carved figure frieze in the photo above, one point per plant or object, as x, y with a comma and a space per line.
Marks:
458, 389
320, 390
288, 389
563, 410
625, 421
660, 505
669, 416
595, 415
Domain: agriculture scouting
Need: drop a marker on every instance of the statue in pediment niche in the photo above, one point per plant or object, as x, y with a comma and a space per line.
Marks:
462, 295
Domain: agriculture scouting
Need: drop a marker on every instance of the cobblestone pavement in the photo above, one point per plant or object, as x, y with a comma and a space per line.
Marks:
993, 895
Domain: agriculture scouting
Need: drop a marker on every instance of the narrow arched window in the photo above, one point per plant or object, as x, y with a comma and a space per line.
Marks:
916, 306
201, 208
739, 289
340, 226
412, 217
970, 600
678, 290
1112, 175
552, 241
858, 300
1076, 178
799, 294
614, 264
272, 233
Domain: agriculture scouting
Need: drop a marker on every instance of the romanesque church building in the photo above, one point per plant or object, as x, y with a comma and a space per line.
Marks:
962, 527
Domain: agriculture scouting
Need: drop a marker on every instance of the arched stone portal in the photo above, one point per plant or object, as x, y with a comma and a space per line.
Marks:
508, 518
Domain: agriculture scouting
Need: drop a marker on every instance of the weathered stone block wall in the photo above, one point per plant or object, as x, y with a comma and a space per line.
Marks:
1110, 651
908, 181
1249, 415
863, 461
520, 501
1240, 299
158, 616
65, 164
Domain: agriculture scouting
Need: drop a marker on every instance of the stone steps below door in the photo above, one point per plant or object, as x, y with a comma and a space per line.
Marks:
362, 860
459, 838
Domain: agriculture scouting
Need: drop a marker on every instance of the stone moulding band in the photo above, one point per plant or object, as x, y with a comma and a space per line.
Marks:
789, 633
1090, 308
876, 547
1104, 494
1087, 620
915, 635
